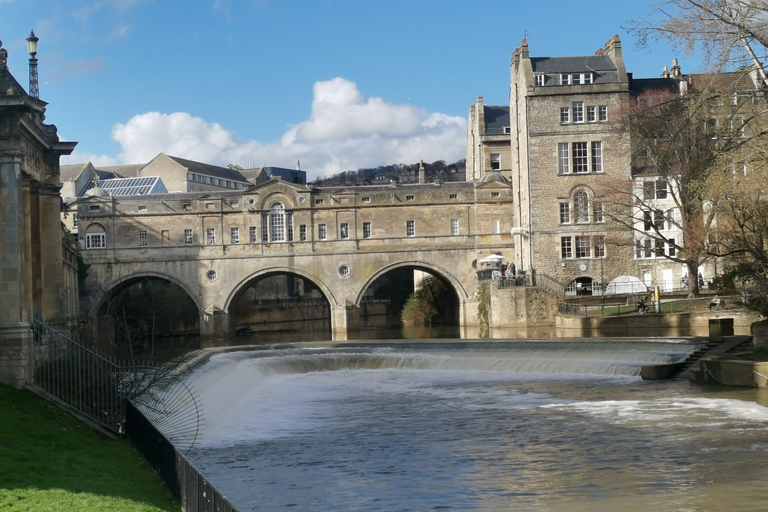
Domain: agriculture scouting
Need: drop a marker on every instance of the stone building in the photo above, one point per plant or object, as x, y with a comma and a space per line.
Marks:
556, 145
37, 269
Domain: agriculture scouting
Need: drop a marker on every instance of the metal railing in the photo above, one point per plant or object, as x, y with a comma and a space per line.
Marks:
190, 488
97, 386
629, 306
77, 376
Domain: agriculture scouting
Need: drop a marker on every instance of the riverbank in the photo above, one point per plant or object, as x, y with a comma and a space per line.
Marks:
51, 461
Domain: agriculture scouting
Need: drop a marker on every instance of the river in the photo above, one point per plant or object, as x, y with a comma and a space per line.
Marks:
476, 426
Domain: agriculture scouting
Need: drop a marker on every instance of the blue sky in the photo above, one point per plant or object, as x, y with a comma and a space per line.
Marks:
336, 84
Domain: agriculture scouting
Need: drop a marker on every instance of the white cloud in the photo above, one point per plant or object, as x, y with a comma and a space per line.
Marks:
346, 130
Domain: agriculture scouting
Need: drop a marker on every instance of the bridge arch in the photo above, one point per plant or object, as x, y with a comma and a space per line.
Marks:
247, 281
458, 288
102, 294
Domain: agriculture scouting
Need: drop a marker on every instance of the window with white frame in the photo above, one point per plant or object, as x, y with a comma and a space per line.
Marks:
565, 115
583, 246
277, 222
96, 240
234, 235
654, 220
495, 161
210, 236
565, 79
302, 232
599, 244
344, 230
264, 227
591, 114
563, 158
602, 113
495, 225
289, 226
566, 247
539, 80
454, 227
579, 157
74, 221
367, 231
650, 248
252, 235
142, 238
410, 228
565, 213
188, 237
578, 111
597, 156
322, 232
656, 189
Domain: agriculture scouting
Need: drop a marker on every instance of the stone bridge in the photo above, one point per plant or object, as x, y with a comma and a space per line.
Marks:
215, 246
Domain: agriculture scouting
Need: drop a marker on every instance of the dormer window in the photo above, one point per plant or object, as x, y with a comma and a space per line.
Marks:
539, 80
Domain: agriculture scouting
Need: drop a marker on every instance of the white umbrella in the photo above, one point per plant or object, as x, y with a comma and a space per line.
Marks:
491, 258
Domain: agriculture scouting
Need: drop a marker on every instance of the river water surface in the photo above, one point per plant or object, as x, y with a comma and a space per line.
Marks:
477, 426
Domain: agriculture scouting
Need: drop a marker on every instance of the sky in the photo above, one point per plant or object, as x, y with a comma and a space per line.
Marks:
330, 85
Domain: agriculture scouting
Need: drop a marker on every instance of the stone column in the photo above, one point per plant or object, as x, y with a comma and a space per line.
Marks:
215, 327
52, 257
345, 320
15, 334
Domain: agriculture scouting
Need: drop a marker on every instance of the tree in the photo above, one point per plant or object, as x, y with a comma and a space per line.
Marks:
428, 303
681, 144
725, 33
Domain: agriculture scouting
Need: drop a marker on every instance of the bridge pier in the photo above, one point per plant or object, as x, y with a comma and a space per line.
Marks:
215, 326
345, 319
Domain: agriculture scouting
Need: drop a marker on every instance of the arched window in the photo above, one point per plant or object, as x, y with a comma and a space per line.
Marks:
581, 206
95, 237
277, 222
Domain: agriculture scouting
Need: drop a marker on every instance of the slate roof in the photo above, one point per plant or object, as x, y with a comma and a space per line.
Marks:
602, 66
71, 172
496, 118
121, 171
638, 86
210, 170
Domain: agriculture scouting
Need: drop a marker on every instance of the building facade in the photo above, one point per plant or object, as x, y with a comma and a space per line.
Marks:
339, 239
563, 156
37, 269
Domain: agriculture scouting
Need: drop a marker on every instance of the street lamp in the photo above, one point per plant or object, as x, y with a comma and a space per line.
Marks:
32, 40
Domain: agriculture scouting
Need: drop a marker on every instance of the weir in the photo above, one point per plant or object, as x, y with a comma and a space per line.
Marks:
517, 425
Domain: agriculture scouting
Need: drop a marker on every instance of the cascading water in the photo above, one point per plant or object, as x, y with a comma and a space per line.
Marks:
472, 426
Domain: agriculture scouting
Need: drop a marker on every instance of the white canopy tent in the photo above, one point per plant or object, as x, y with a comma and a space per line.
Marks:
624, 285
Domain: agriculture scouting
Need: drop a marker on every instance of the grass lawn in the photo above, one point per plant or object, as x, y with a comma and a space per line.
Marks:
49, 461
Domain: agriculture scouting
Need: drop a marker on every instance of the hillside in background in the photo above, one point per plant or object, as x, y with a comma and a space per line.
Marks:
403, 173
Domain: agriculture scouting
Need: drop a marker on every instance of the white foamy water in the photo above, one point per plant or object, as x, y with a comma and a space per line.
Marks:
539, 428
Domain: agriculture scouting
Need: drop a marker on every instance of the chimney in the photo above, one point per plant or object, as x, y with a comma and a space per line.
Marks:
665, 72
676, 69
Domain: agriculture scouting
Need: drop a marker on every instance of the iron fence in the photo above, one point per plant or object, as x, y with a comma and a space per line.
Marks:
190, 488
77, 376
633, 306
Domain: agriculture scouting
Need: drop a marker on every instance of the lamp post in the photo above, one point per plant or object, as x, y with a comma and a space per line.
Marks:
32, 40
602, 278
